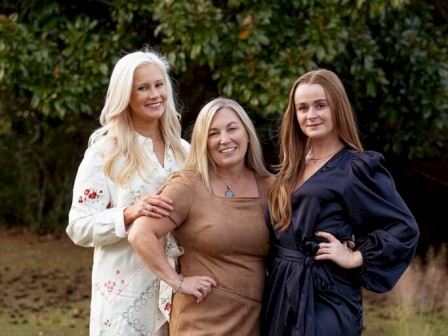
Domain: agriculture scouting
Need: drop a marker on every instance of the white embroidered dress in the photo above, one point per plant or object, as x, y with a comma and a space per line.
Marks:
125, 294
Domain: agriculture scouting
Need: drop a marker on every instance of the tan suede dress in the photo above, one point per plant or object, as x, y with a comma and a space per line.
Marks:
228, 240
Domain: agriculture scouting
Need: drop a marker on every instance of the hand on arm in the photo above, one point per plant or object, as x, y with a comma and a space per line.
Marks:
144, 236
154, 205
340, 253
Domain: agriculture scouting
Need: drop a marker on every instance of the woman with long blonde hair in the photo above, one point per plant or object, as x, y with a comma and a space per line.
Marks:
220, 200
136, 148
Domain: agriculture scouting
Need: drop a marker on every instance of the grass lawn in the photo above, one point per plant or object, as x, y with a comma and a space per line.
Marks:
45, 291
44, 286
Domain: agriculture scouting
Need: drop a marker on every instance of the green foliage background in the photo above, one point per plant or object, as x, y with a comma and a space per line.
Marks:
56, 58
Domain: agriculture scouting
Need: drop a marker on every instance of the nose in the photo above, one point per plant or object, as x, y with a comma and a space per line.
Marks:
224, 139
152, 93
312, 113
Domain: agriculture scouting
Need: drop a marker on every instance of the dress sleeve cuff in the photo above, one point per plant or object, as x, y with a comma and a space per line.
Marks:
120, 229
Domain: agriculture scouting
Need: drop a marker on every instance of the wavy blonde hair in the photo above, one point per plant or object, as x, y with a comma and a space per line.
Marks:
199, 162
117, 130
294, 144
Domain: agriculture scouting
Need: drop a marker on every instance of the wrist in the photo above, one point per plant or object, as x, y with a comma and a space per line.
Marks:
179, 287
126, 218
357, 259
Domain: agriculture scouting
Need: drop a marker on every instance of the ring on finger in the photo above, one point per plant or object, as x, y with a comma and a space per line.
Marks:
201, 288
149, 208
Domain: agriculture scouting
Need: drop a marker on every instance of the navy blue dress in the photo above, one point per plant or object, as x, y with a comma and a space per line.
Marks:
351, 194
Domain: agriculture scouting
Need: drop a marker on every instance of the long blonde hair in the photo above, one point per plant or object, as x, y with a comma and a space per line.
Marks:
117, 130
199, 162
294, 143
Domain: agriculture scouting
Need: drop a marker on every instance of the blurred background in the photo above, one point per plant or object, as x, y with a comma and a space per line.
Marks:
56, 58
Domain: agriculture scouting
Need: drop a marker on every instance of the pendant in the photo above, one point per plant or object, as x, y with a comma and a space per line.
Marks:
229, 192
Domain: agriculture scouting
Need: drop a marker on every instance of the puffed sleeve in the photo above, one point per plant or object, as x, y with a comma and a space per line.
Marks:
93, 220
180, 189
385, 230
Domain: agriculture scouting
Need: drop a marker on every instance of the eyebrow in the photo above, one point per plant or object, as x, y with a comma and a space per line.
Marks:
145, 82
229, 124
315, 101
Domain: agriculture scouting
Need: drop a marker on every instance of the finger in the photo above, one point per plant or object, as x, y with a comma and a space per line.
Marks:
200, 296
350, 244
158, 196
205, 288
324, 248
148, 209
162, 205
326, 235
206, 280
147, 212
165, 199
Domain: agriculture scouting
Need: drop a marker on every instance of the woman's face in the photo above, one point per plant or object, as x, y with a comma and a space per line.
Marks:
148, 96
227, 139
313, 112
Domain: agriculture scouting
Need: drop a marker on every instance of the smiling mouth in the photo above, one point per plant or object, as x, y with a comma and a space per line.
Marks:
154, 104
227, 150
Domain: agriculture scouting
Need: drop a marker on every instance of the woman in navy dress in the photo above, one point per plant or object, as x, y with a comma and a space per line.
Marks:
328, 189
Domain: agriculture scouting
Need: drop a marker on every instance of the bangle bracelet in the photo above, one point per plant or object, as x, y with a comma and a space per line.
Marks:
179, 288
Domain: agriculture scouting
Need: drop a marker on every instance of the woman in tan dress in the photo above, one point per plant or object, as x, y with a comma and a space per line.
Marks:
219, 201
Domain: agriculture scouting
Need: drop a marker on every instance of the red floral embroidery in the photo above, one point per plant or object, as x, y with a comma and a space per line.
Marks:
90, 194
167, 306
110, 286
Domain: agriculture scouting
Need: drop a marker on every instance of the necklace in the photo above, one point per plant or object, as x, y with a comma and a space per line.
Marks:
229, 192
310, 156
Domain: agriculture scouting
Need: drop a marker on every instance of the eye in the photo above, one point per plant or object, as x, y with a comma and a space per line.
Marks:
302, 108
321, 106
159, 85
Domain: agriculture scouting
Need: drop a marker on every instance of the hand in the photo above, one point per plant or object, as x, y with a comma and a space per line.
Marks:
154, 205
340, 253
351, 244
198, 286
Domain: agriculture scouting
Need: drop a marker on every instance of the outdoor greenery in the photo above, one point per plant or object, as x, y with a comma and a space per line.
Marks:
56, 58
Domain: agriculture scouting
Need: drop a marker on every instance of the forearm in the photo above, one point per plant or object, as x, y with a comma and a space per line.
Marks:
96, 229
147, 245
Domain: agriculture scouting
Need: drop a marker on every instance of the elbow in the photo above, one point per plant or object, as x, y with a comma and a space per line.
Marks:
140, 236
133, 235
71, 234
414, 234
417, 231
79, 236
80, 241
